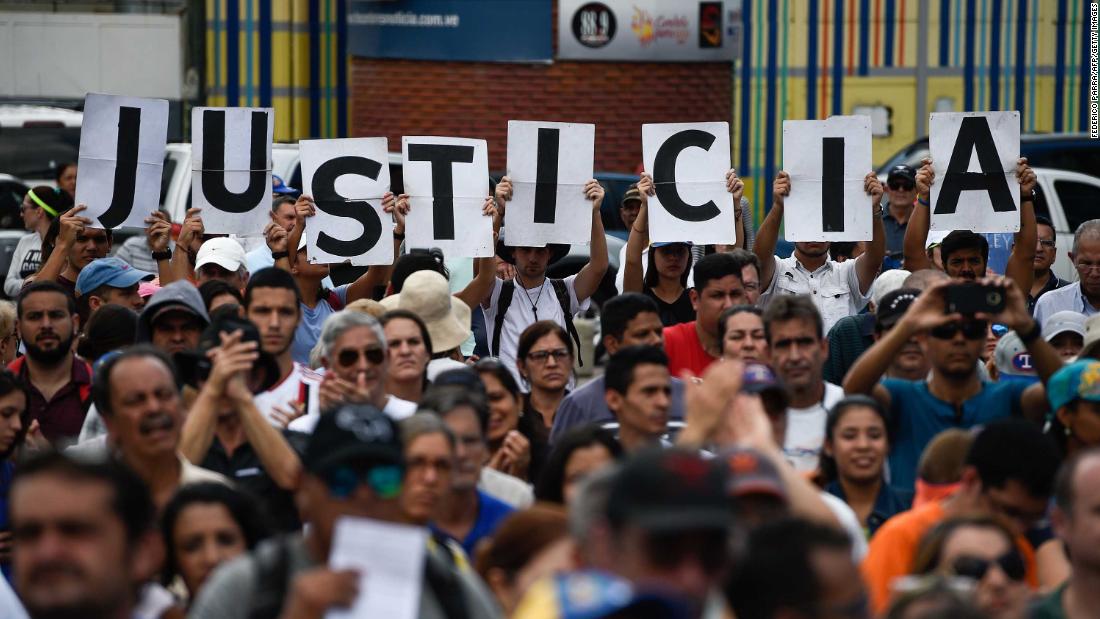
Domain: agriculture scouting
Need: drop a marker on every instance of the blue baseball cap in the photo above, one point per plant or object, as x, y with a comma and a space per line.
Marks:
113, 272
278, 186
1080, 379
666, 244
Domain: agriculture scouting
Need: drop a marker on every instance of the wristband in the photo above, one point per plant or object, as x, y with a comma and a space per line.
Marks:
399, 236
162, 255
279, 255
923, 201
1029, 197
1031, 334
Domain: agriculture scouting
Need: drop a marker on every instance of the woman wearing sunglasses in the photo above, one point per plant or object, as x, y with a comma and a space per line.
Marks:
544, 358
982, 549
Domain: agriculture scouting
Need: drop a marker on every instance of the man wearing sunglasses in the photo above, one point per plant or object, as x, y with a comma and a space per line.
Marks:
901, 193
353, 467
953, 395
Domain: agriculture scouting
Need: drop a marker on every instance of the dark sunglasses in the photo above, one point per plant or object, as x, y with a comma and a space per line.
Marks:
349, 356
1011, 563
971, 330
900, 186
384, 480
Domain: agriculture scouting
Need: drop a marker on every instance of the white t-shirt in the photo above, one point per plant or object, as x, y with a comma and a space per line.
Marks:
521, 314
290, 390
395, 407
806, 430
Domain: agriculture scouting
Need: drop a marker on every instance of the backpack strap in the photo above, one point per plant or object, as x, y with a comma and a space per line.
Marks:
504, 301
444, 583
561, 291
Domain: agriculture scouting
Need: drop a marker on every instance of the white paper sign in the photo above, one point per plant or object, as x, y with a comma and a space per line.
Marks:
827, 160
122, 144
549, 164
974, 157
689, 162
390, 560
447, 180
347, 179
231, 167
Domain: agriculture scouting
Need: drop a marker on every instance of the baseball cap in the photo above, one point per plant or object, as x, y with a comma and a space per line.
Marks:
752, 473
222, 251
670, 490
893, 306
633, 194
667, 243
1091, 347
113, 272
1013, 360
278, 186
902, 171
886, 283
1080, 379
1062, 322
351, 435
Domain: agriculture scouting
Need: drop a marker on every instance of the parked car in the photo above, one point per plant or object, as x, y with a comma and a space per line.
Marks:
1063, 151
1068, 199
36, 139
12, 191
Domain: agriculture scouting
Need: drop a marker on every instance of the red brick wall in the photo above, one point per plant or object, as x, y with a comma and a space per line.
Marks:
405, 97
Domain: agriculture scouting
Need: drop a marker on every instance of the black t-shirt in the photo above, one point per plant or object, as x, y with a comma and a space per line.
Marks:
247, 472
673, 313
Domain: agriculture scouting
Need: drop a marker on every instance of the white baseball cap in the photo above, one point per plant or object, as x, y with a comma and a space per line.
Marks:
1061, 322
222, 251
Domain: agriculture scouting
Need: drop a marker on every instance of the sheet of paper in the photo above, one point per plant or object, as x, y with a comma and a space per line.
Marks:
689, 162
233, 187
836, 154
974, 156
552, 184
461, 168
350, 225
390, 560
122, 139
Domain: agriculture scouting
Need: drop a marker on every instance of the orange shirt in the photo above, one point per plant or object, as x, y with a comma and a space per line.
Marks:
894, 546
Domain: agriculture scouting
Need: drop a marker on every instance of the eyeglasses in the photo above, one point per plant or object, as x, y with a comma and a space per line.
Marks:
384, 480
540, 356
1011, 563
971, 330
1085, 267
350, 356
896, 186
1046, 242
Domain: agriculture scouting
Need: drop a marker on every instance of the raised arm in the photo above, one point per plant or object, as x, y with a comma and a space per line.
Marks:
377, 275
588, 280
633, 279
158, 233
869, 263
481, 285
768, 235
914, 255
187, 245
736, 186
71, 226
1020, 267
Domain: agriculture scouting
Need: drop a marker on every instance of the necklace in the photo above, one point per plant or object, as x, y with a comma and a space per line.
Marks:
535, 303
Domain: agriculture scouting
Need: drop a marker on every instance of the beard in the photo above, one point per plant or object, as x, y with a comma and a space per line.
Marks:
51, 356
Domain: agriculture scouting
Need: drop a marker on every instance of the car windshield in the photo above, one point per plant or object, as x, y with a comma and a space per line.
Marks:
35, 152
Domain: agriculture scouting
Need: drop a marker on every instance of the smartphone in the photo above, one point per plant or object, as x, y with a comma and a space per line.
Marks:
303, 396
969, 299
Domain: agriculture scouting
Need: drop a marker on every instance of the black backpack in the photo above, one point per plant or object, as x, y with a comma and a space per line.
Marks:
508, 290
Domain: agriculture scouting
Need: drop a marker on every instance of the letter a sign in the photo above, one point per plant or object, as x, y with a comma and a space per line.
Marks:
974, 156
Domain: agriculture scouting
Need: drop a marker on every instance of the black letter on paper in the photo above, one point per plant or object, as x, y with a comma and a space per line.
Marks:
832, 185
974, 134
546, 178
213, 153
126, 160
326, 199
441, 157
664, 176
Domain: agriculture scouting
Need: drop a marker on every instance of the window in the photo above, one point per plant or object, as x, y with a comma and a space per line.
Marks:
35, 152
1080, 201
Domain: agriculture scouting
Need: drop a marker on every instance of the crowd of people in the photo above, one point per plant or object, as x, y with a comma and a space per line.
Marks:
185, 424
